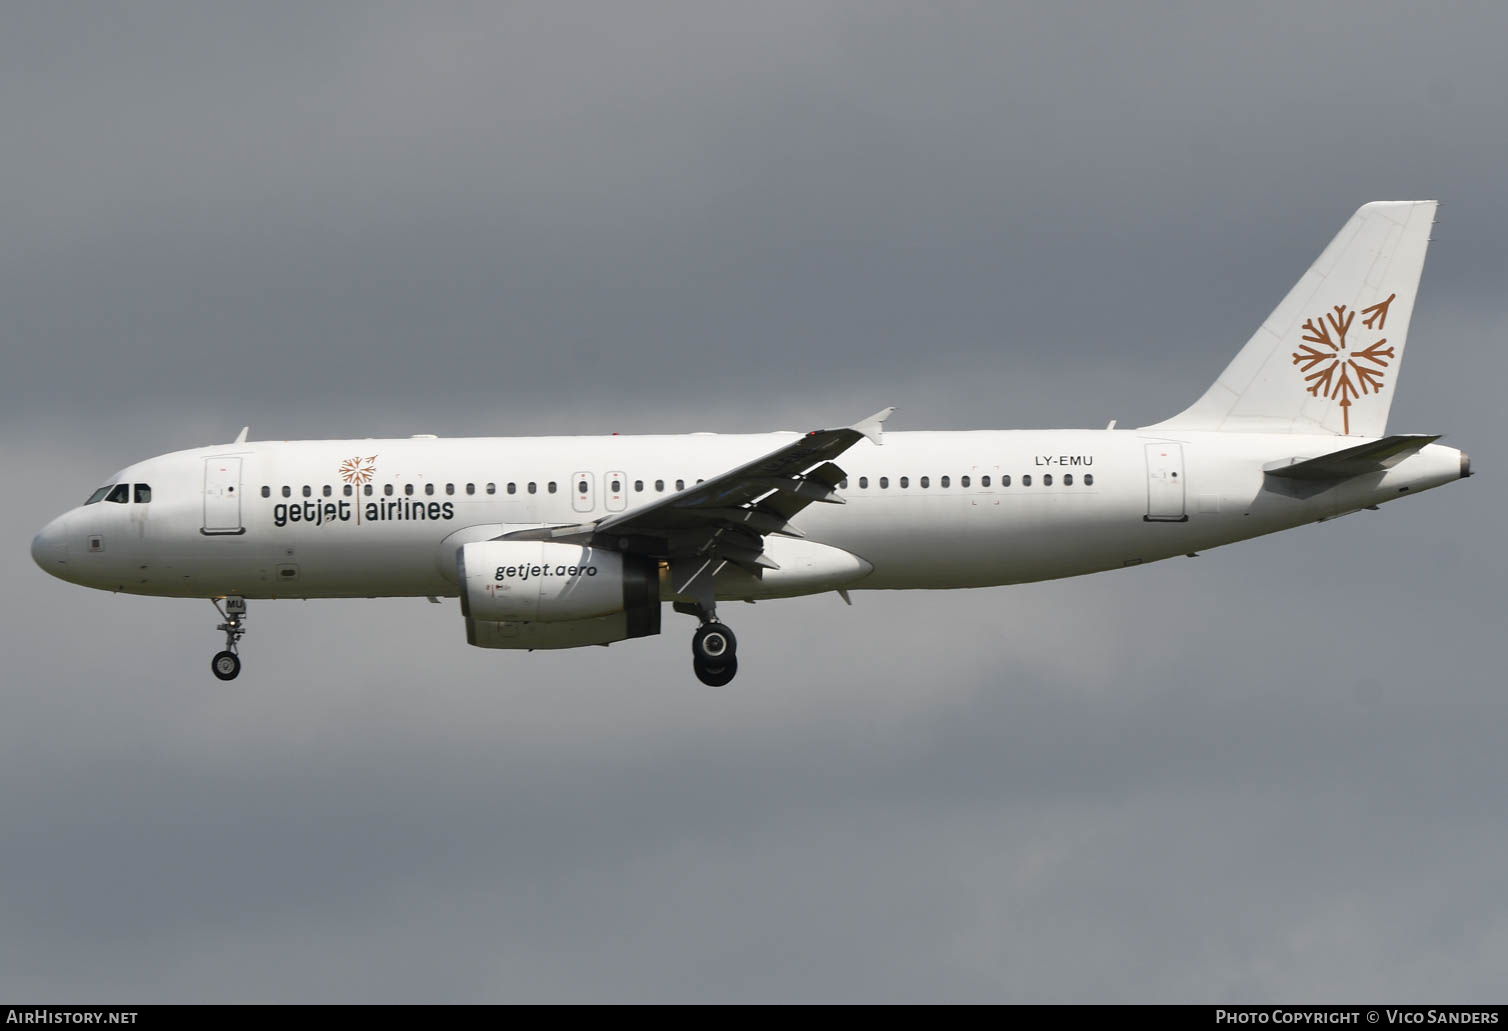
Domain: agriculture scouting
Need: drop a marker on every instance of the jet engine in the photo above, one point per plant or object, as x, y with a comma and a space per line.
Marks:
543, 594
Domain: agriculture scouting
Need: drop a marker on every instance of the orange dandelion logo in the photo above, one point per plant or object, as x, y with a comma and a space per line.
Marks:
358, 470
1336, 368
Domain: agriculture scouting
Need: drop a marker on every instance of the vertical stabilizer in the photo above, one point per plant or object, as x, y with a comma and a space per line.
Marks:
1327, 358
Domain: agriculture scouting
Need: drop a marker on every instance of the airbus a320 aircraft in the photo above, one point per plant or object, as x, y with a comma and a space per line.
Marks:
560, 542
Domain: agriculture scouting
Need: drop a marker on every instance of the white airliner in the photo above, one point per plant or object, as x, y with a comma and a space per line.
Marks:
559, 542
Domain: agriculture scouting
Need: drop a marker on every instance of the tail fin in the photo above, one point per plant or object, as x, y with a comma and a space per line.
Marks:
1327, 358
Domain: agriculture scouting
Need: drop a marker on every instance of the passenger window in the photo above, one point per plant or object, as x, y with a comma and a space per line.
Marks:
408, 489
491, 488
512, 488
581, 487
1068, 479
638, 486
366, 488
905, 481
943, 482
963, 481
99, 495
450, 488
120, 493
1005, 481
387, 489
471, 488
1047, 479
660, 485
307, 491
143, 493
533, 487
863, 482
328, 490
550, 486
347, 490
1026, 481
1089, 479
984, 481
884, 482
287, 491
922, 482
266, 492
680, 484
617, 486
429, 488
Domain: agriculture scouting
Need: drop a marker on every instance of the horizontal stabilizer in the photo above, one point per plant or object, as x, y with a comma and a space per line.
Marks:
1375, 457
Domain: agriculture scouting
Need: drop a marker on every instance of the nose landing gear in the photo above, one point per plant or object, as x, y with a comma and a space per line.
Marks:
226, 665
714, 653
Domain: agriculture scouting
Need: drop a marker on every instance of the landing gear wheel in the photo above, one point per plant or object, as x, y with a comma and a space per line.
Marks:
226, 665
714, 644
719, 675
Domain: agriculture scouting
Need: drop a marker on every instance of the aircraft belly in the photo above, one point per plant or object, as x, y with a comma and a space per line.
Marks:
986, 539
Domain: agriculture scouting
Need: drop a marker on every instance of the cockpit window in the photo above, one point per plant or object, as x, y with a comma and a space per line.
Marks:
99, 495
143, 493
120, 493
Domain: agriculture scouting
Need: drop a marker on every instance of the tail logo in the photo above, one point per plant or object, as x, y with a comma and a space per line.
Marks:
1337, 368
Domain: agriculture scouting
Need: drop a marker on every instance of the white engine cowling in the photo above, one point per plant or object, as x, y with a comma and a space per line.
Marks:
544, 582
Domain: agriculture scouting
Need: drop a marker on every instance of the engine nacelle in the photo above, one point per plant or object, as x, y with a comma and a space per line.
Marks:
506, 585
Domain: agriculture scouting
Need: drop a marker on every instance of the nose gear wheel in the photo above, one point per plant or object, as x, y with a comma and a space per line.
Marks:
226, 665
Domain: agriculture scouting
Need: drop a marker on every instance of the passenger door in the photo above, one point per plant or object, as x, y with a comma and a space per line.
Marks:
222, 496
1165, 487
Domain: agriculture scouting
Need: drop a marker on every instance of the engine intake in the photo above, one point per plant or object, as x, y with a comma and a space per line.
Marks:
532, 582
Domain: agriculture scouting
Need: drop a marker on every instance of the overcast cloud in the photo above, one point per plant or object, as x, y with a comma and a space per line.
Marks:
1275, 773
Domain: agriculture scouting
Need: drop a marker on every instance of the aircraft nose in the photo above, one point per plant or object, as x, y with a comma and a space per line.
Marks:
49, 548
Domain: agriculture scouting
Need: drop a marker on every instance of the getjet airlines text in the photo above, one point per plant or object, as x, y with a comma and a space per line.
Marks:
321, 512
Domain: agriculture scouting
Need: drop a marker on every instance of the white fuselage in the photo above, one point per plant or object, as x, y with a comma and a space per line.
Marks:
925, 510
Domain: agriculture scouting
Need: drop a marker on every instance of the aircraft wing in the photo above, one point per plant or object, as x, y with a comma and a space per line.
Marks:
734, 510
726, 518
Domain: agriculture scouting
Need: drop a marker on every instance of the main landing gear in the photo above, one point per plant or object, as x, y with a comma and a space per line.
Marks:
227, 664
714, 649
714, 653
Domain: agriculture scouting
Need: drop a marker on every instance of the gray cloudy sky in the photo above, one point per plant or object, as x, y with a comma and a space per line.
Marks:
1273, 774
